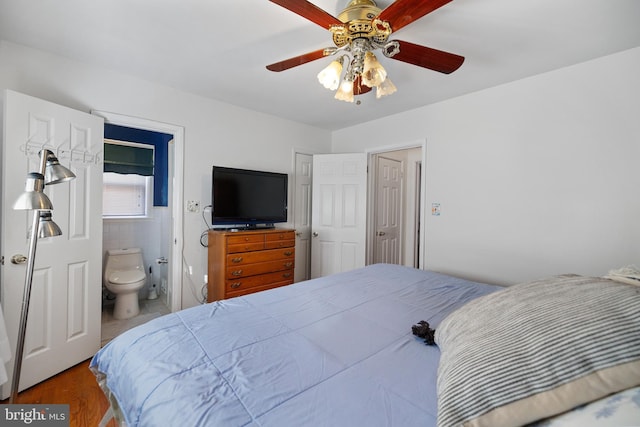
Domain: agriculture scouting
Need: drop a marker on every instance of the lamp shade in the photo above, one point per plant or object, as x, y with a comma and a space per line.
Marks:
345, 93
33, 196
54, 172
374, 73
47, 228
385, 88
330, 76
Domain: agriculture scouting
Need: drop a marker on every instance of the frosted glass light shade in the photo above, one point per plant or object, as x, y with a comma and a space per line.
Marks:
373, 73
329, 77
345, 93
33, 196
385, 88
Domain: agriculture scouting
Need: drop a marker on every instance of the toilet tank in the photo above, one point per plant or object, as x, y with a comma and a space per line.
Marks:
124, 259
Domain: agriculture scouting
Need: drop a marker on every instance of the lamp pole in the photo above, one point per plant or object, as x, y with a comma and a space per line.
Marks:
26, 297
47, 159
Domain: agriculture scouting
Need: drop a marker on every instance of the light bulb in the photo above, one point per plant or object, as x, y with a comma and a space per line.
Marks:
345, 93
330, 76
373, 73
385, 88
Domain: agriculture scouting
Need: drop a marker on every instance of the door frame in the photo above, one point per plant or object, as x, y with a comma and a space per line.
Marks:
372, 166
177, 237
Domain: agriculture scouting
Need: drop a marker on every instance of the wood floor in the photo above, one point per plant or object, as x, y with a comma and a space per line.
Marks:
77, 386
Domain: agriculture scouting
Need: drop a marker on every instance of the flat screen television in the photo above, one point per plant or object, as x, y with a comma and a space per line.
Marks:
248, 198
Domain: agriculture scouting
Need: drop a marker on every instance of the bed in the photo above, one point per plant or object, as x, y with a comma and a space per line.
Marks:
339, 351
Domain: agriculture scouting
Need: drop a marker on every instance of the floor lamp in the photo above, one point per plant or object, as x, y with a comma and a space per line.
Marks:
33, 198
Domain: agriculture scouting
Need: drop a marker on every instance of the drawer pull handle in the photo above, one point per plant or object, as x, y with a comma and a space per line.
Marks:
237, 273
288, 253
237, 259
286, 275
236, 285
288, 264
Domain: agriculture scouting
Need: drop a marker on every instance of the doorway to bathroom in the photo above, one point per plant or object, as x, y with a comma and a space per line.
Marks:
141, 197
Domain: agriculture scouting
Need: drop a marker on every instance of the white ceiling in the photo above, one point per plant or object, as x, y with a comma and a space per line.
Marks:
219, 48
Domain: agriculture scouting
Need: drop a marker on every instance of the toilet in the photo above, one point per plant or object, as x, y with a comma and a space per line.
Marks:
124, 276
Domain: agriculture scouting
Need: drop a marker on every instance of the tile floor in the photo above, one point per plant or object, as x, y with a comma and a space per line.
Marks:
149, 309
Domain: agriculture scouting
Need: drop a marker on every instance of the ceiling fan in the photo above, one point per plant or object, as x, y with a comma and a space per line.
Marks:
359, 30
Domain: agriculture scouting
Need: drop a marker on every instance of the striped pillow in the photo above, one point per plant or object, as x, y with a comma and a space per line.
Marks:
537, 349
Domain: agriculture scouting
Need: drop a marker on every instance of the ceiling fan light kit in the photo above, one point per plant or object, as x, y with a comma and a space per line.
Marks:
359, 30
330, 76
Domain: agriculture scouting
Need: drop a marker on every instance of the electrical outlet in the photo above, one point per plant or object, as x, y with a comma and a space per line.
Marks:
193, 206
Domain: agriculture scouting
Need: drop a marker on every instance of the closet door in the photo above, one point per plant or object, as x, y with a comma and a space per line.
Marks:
302, 215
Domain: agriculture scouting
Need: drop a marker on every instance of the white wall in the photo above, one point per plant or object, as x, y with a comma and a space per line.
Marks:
536, 177
215, 133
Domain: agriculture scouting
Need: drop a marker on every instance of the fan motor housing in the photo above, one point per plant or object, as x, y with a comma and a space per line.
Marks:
358, 18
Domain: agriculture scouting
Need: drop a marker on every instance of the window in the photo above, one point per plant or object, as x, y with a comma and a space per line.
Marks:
126, 195
127, 180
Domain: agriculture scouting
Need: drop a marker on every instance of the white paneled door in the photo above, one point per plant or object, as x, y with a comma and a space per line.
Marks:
302, 215
338, 213
388, 214
63, 327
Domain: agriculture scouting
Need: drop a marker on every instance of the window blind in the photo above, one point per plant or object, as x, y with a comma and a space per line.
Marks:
127, 159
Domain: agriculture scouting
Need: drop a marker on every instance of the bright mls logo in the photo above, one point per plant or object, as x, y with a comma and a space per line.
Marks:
35, 415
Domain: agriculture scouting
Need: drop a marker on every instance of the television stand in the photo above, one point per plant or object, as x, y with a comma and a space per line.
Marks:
243, 262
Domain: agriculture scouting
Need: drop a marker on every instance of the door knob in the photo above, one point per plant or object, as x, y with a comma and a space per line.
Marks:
315, 234
299, 233
18, 259
380, 233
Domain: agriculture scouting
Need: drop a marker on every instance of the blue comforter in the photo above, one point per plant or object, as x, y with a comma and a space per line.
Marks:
334, 351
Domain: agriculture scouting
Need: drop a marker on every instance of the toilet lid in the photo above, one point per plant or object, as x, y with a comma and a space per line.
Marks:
124, 277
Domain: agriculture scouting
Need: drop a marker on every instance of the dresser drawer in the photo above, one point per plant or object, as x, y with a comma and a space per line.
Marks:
245, 247
245, 238
280, 244
258, 256
263, 281
259, 268
245, 242
284, 235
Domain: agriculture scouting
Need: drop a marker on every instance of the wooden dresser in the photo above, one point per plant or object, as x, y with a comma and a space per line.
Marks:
243, 262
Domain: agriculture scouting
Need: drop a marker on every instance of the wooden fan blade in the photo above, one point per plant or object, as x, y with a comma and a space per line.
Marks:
403, 12
427, 57
297, 60
309, 11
